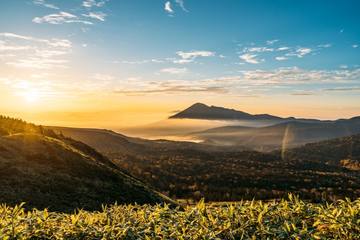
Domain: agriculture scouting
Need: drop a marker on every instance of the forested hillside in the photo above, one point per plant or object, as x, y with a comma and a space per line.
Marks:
47, 170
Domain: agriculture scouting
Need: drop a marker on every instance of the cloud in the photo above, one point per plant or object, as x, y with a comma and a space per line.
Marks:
181, 4
174, 90
326, 45
170, 87
271, 42
96, 15
60, 18
30, 52
188, 57
168, 8
283, 49
281, 58
249, 58
300, 52
135, 62
250, 83
303, 51
355, 46
343, 89
174, 70
260, 49
93, 3
295, 75
303, 93
45, 4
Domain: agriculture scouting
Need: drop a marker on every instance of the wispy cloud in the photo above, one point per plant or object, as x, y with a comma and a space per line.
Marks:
168, 8
188, 57
30, 52
303, 93
136, 62
251, 83
303, 51
60, 18
96, 15
271, 42
281, 58
355, 46
174, 70
260, 49
326, 45
250, 58
44, 3
181, 4
171, 87
343, 89
93, 3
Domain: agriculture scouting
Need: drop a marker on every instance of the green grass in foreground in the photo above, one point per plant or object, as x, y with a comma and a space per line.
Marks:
285, 219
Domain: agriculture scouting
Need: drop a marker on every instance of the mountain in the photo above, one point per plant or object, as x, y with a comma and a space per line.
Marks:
288, 134
49, 170
202, 111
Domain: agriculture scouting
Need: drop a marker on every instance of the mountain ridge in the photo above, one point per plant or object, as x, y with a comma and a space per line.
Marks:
206, 112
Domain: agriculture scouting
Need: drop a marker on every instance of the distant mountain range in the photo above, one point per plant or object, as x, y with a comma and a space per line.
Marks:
49, 170
203, 111
289, 134
263, 132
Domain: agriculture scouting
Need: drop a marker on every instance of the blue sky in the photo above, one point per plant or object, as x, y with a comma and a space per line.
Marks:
186, 49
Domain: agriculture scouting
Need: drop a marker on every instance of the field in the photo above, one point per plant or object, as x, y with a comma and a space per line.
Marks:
285, 219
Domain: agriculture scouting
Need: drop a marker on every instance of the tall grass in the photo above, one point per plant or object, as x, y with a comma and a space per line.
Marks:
285, 219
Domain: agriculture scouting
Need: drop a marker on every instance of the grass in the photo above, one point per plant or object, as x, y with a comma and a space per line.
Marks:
285, 219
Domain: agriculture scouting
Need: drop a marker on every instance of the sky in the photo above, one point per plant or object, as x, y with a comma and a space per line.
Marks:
114, 63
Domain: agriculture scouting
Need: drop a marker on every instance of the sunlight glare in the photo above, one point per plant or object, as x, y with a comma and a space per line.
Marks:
31, 96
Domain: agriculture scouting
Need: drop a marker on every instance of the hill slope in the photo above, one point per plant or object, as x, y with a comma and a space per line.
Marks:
51, 171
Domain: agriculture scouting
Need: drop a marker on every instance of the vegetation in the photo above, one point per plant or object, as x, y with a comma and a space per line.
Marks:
48, 170
191, 171
285, 219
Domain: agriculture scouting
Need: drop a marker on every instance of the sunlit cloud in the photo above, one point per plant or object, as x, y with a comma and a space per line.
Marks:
188, 57
250, 83
260, 49
174, 70
250, 58
138, 62
60, 18
355, 46
303, 93
35, 53
283, 48
168, 8
281, 58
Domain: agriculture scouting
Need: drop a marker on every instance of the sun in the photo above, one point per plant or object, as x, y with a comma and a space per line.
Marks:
31, 96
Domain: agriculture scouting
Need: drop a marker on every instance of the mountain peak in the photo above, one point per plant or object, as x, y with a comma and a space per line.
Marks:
203, 111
